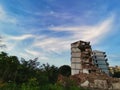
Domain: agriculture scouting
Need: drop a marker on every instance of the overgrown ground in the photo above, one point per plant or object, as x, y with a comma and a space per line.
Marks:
32, 75
36, 87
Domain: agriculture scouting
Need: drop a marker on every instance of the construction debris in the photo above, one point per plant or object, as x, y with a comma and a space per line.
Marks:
82, 59
89, 69
100, 81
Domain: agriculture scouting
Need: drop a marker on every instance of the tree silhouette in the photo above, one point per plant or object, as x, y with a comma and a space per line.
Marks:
65, 70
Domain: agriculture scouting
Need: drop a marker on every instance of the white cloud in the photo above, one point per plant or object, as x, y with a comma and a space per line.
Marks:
10, 45
56, 45
88, 33
93, 34
22, 37
49, 44
5, 17
12, 42
32, 52
35, 53
2, 13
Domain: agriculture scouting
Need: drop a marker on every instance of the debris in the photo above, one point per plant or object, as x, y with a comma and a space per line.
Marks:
89, 68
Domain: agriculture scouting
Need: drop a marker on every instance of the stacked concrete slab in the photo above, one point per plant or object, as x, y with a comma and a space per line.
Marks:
84, 60
81, 60
100, 60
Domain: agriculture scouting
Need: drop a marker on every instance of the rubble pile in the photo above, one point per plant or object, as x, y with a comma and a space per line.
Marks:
93, 80
82, 77
81, 58
88, 69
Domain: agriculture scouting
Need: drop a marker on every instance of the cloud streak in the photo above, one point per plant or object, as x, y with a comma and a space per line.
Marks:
58, 45
22, 37
89, 33
4, 17
55, 45
35, 53
32, 52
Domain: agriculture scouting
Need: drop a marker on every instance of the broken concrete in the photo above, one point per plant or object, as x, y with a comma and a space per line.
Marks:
85, 72
94, 81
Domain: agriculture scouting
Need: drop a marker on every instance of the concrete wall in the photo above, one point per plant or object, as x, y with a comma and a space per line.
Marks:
79, 51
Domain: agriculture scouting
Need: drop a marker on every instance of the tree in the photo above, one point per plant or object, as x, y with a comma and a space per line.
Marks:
65, 70
8, 67
13, 70
27, 70
51, 72
116, 74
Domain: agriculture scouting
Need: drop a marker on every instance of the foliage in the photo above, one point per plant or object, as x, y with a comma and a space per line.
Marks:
30, 75
116, 74
21, 71
65, 70
27, 86
51, 72
8, 67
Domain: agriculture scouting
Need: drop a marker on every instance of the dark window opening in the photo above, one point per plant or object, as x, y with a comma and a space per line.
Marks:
89, 71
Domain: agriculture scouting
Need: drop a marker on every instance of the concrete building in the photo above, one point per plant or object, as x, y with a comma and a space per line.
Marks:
81, 60
84, 60
100, 60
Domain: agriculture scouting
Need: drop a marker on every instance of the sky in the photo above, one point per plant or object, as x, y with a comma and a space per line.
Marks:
46, 28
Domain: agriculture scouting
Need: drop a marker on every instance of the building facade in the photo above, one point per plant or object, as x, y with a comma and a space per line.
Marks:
100, 60
84, 60
81, 60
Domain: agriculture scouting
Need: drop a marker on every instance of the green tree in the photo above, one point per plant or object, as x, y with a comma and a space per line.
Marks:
8, 67
51, 72
27, 70
116, 74
65, 70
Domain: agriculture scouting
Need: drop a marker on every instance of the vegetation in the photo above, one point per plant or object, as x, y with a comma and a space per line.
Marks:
65, 70
31, 75
116, 74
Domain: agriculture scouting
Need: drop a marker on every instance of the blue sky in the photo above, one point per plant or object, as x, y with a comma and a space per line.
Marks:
46, 28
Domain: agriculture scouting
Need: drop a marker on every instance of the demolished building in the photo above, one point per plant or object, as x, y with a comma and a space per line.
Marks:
89, 69
83, 59
100, 60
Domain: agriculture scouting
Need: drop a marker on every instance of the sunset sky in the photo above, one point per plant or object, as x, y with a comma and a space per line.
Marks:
46, 28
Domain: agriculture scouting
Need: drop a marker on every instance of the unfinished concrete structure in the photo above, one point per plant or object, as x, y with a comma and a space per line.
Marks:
81, 60
84, 60
100, 60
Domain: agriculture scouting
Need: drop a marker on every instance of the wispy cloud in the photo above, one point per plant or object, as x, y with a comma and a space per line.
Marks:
93, 33
89, 33
49, 44
5, 17
38, 54
55, 45
22, 37
32, 52
2, 13
13, 42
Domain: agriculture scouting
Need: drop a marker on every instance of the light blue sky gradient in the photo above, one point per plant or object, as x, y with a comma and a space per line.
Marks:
46, 28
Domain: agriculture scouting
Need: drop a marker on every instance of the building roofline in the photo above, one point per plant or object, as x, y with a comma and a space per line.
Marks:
80, 41
98, 51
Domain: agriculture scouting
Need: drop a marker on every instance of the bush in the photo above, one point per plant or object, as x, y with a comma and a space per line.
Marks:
10, 86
